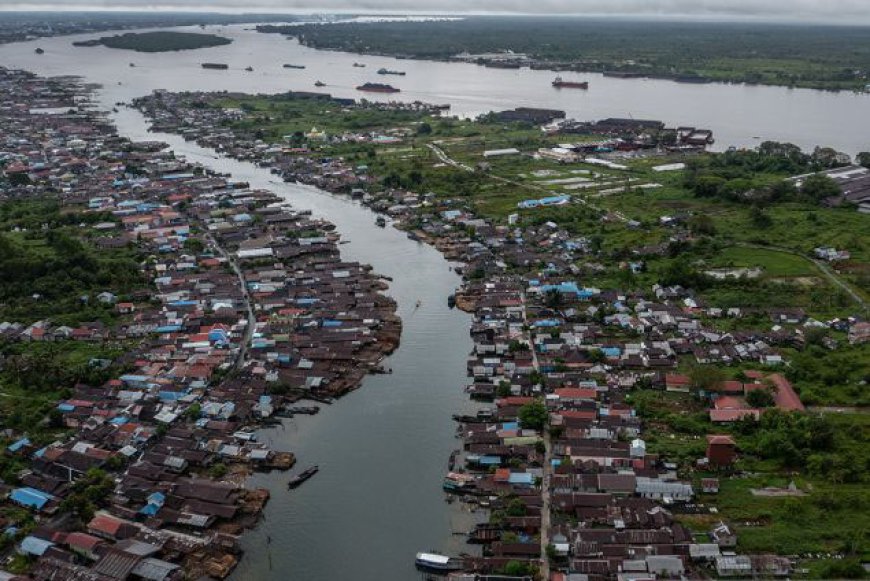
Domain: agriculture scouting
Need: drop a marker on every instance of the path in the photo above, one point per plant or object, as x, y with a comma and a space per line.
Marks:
249, 329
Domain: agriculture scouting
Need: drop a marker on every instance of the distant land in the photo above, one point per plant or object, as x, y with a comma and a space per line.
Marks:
160, 41
818, 57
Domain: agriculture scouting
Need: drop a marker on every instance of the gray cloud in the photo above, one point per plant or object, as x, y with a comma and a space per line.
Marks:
851, 11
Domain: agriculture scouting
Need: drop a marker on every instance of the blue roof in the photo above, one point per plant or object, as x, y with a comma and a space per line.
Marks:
187, 303
510, 426
547, 323
168, 329
18, 445
30, 497
521, 478
306, 301
35, 546
332, 323
120, 420
171, 395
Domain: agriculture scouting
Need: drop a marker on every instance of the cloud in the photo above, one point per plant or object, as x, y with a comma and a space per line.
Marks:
805, 10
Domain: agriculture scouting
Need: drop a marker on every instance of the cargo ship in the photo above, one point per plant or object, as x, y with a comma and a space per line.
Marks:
216, 66
559, 83
294, 66
302, 477
389, 72
377, 88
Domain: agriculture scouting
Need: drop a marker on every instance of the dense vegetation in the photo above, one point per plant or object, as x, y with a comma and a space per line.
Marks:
825, 57
49, 268
163, 41
756, 175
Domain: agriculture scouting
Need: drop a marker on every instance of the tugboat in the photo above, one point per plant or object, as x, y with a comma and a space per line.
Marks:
319, 84
437, 562
302, 477
377, 88
381, 222
559, 83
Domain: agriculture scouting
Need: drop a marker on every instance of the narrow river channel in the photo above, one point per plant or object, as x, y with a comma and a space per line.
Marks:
383, 449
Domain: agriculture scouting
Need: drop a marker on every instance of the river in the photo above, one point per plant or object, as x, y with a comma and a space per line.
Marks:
383, 449
739, 115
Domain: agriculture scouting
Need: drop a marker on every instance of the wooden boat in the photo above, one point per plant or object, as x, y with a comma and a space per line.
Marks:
302, 477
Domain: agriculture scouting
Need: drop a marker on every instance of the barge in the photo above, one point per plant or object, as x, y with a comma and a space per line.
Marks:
560, 83
215, 66
377, 88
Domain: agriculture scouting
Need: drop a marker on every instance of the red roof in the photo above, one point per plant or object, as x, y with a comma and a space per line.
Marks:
515, 400
675, 379
576, 393
785, 396
729, 403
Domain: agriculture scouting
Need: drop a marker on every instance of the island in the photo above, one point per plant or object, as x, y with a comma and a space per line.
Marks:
159, 41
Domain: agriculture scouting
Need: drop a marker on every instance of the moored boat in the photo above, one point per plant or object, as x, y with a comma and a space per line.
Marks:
302, 476
381, 222
389, 72
437, 562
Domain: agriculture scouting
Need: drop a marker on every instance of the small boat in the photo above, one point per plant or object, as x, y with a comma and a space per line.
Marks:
288, 66
381, 222
302, 477
39, 51
418, 305
451, 301
389, 72
249, 69
215, 66
132, 64
359, 65
319, 84
432, 561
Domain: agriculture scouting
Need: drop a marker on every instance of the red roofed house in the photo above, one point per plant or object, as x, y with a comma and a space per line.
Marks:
721, 450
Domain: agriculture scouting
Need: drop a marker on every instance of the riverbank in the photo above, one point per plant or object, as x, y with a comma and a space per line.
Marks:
249, 308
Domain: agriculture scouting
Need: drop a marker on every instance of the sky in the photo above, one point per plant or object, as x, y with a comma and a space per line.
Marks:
846, 11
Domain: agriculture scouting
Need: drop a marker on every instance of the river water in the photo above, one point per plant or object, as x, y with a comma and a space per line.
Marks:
739, 115
383, 449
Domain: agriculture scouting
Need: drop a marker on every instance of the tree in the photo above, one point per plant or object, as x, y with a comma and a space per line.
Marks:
817, 187
863, 158
424, 129
705, 377
534, 415
760, 398
702, 224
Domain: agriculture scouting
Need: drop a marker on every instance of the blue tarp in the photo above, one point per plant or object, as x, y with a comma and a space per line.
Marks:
547, 323
120, 420
168, 329
332, 323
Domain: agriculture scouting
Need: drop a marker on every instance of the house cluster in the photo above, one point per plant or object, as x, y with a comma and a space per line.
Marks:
248, 307
610, 504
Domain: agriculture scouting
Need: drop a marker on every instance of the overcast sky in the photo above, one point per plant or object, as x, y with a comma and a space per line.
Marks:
847, 11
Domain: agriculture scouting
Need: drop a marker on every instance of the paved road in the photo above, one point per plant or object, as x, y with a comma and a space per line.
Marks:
545, 476
249, 330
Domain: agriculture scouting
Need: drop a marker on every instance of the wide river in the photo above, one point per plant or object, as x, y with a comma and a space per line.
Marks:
383, 449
